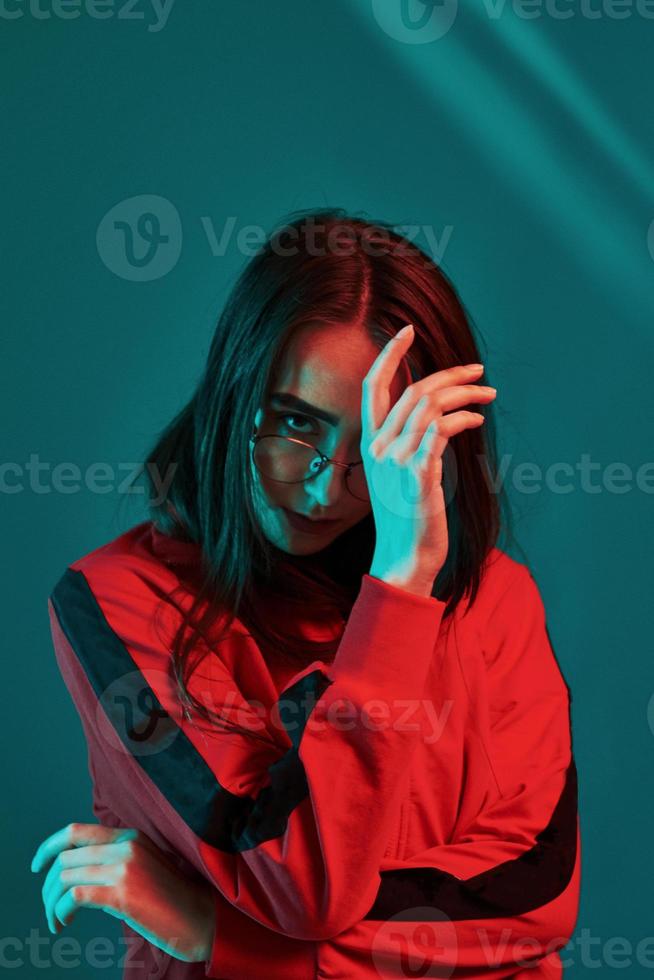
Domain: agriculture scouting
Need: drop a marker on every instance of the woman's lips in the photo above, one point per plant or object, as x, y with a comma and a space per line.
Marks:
304, 524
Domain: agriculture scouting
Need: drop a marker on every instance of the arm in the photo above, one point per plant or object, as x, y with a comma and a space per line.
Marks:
507, 884
283, 832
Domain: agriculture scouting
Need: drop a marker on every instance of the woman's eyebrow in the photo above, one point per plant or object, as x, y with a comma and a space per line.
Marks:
288, 400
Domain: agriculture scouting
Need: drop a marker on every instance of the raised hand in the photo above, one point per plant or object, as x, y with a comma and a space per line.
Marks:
402, 453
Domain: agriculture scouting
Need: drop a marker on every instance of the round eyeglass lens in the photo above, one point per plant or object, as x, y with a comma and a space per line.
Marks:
285, 461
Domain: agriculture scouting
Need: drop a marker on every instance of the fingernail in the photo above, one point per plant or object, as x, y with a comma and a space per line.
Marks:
409, 326
474, 367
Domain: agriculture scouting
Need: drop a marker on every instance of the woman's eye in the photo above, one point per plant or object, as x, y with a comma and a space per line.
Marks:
303, 420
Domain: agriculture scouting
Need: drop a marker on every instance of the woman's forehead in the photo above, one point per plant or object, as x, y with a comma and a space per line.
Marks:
326, 365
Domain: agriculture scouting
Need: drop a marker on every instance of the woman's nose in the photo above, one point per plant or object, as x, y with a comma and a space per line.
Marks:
327, 486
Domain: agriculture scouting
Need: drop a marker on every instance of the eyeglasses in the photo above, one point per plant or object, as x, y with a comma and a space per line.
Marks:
288, 460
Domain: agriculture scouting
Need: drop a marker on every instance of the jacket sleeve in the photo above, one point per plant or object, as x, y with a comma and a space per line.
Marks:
504, 890
281, 829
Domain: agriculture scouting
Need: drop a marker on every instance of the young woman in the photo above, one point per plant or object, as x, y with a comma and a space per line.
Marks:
327, 731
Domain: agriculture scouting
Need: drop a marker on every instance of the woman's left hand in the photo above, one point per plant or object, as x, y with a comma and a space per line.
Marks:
121, 871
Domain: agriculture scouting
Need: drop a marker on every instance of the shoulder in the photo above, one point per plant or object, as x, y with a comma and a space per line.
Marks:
114, 615
504, 582
508, 606
122, 585
126, 560
512, 629
141, 557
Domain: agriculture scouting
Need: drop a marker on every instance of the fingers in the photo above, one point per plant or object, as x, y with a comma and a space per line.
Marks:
414, 436
450, 425
448, 380
77, 835
90, 896
98, 863
79, 853
375, 398
406, 422
68, 878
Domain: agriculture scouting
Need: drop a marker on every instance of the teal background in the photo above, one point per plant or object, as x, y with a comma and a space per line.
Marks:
531, 140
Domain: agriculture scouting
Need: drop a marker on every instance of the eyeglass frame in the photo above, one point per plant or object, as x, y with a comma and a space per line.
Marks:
325, 461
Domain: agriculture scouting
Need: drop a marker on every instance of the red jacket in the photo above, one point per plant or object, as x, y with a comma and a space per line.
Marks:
411, 810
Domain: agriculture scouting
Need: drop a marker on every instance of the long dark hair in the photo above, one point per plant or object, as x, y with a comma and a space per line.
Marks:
360, 273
